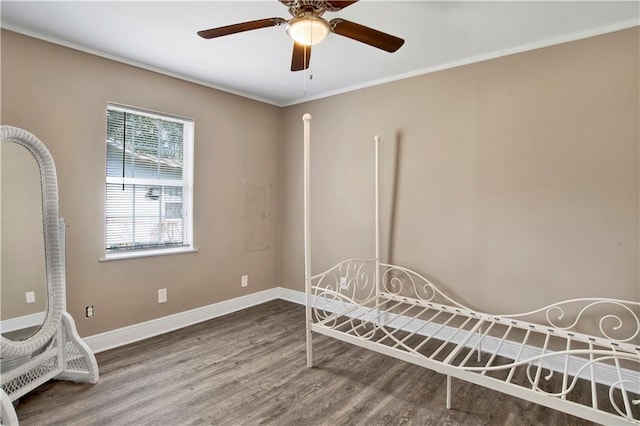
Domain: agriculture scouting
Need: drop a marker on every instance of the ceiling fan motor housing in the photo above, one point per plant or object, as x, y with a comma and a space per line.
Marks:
317, 7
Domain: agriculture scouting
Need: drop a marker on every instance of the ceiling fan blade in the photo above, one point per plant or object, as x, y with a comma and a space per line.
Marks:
335, 5
238, 28
366, 35
301, 57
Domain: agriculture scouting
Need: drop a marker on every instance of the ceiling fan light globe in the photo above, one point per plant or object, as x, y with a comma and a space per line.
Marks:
308, 30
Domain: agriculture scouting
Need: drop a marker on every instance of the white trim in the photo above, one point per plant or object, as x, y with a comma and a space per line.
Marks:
148, 113
24, 321
146, 253
136, 332
185, 183
472, 60
116, 58
289, 295
465, 61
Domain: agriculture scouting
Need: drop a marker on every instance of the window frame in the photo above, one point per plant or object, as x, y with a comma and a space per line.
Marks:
186, 184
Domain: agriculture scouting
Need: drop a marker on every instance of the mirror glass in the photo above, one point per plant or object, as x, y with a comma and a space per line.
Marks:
23, 285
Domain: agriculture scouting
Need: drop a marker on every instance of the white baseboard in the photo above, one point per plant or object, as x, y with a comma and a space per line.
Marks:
123, 336
293, 296
24, 321
136, 332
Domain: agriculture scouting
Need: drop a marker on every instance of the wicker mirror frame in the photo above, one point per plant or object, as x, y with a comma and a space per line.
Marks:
54, 257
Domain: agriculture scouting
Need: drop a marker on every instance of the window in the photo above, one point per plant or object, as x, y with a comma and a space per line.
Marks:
149, 181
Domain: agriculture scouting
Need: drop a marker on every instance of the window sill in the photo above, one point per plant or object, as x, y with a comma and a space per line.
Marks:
147, 253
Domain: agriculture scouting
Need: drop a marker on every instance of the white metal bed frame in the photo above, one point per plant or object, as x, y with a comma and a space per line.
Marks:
543, 356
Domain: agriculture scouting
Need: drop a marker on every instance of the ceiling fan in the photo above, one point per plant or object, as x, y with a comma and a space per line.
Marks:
308, 27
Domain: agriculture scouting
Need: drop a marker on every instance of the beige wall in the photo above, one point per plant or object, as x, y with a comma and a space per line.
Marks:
516, 179
61, 96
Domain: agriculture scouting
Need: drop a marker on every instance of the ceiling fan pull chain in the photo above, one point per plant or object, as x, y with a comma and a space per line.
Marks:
310, 71
304, 73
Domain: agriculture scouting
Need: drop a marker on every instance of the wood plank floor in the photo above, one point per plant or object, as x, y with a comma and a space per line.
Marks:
249, 368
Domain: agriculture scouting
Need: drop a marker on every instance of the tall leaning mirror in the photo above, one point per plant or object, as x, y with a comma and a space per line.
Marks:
38, 340
23, 299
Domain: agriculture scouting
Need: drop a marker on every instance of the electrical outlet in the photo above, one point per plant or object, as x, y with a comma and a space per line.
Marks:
30, 296
244, 281
162, 295
343, 283
89, 312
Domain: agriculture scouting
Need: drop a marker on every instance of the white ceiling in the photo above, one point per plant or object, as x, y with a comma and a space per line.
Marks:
161, 35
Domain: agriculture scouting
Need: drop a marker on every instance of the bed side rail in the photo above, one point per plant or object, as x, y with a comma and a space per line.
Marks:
602, 321
409, 317
612, 320
599, 321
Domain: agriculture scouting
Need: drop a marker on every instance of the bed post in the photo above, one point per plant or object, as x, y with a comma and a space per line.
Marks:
377, 214
306, 118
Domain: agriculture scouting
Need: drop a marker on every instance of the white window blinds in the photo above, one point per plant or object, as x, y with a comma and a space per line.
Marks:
148, 181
